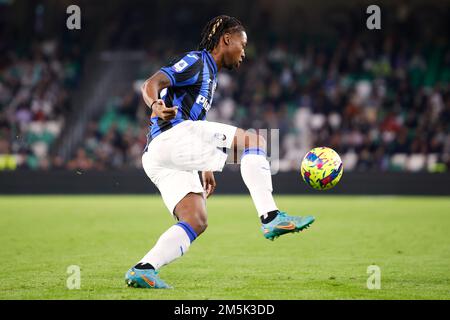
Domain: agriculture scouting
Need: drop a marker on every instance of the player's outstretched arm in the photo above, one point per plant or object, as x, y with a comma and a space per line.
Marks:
150, 92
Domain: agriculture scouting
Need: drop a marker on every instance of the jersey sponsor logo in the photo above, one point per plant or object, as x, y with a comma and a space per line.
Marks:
180, 66
201, 100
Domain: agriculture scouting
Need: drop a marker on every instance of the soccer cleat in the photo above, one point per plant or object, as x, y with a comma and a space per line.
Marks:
144, 278
283, 224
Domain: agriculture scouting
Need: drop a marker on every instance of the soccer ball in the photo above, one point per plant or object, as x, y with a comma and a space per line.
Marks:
322, 168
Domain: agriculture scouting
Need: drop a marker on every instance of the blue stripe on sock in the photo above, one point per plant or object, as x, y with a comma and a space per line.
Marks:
257, 151
188, 229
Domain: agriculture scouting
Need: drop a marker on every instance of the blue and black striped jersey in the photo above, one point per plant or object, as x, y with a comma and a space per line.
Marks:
193, 80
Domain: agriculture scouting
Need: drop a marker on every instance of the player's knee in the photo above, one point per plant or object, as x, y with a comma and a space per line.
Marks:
245, 140
257, 141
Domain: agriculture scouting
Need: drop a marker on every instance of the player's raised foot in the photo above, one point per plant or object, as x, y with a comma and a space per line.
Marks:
145, 278
283, 223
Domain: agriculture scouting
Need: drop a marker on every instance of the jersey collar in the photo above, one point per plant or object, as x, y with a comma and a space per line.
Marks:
211, 60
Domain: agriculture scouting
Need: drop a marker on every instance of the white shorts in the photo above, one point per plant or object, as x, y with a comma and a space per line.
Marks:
175, 156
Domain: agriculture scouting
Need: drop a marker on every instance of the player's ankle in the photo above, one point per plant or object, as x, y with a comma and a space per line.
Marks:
269, 216
144, 266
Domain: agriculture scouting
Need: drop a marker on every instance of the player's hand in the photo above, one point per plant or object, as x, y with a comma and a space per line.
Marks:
209, 183
165, 113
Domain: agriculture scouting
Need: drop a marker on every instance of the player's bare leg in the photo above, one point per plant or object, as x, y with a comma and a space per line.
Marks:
255, 171
172, 244
192, 210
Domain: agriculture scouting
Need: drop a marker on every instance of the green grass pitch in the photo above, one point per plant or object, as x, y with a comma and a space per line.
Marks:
407, 237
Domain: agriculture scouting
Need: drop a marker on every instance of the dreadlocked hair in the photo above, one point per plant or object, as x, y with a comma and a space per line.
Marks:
215, 28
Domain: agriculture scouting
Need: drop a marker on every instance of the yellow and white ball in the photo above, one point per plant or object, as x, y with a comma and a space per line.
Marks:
322, 168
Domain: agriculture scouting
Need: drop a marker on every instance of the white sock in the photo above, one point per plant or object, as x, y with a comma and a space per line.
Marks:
171, 245
255, 171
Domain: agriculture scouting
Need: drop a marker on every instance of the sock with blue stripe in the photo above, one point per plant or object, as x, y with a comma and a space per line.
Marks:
171, 245
255, 171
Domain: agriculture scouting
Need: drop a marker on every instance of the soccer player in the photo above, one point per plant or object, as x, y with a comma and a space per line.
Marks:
181, 143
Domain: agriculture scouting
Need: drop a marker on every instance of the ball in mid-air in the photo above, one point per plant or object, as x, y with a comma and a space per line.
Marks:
322, 168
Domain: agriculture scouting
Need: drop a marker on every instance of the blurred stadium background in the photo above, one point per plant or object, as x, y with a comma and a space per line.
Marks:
70, 100
72, 121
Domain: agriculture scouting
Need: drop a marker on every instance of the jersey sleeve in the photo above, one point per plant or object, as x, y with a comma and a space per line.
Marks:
183, 71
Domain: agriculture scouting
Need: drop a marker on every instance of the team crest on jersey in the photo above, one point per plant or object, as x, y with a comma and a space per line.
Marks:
180, 66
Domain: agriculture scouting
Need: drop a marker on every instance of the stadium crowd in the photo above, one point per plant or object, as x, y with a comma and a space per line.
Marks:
382, 102
34, 102
384, 107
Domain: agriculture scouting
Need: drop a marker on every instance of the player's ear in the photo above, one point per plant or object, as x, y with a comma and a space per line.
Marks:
227, 38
